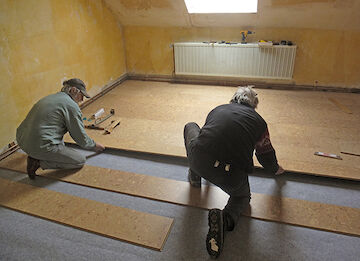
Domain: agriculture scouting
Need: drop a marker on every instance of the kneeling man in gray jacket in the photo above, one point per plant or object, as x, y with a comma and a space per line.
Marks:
41, 134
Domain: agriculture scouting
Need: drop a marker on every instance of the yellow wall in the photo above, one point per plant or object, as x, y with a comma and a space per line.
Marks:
43, 42
329, 57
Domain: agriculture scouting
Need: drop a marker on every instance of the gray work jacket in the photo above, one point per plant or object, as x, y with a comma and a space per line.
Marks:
48, 121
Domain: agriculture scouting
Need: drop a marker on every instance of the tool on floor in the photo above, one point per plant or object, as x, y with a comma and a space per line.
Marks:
97, 114
340, 106
112, 126
349, 153
95, 125
244, 35
87, 119
329, 155
100, 120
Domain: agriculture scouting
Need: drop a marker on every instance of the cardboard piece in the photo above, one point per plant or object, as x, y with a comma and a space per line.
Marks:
338, 219
124, 224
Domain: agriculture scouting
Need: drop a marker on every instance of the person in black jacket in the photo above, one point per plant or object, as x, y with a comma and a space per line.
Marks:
222, 153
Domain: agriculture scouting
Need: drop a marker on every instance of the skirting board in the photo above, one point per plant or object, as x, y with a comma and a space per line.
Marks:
230, 81
96, 217
108, 87
333, 218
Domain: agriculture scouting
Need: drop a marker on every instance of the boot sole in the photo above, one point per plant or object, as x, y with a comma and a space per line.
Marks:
215, 236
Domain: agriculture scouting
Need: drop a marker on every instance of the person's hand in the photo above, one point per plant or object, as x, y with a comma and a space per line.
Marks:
280, 171
99, 147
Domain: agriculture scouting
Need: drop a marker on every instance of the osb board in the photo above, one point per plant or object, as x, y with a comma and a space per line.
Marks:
107, 220
327, 217
153, 115
351, 147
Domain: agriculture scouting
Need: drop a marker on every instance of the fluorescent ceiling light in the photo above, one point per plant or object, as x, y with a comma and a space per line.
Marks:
221, 6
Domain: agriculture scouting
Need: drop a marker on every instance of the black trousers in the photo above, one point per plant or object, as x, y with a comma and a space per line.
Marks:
234, 182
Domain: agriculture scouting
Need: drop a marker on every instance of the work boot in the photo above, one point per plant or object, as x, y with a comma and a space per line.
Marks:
32, 166
229, 223
215, 236
194, 179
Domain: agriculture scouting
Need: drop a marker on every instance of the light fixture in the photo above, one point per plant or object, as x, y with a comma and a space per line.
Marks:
221, 6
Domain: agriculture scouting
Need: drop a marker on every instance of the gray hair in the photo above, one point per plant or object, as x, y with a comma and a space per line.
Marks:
66, 88
245, 95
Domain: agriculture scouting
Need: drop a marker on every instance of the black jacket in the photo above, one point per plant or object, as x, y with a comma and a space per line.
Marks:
231, 133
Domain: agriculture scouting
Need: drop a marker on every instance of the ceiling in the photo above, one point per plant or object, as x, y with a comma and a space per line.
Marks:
314, 14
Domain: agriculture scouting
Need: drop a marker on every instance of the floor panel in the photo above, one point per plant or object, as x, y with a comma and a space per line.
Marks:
153, 115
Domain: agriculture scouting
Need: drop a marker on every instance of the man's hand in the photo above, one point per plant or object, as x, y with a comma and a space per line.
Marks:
280, 171
99, 147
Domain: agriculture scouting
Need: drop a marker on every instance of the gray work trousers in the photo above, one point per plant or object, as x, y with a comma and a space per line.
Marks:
233, 182
59, 157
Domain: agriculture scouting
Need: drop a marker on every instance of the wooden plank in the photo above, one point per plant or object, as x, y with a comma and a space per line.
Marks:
96, 217
326, 217
153, 115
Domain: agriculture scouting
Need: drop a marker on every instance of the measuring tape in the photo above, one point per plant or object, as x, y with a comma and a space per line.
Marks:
329, 155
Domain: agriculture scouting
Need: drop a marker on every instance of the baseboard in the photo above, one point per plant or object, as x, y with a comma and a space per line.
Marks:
108, 87
8, 150
233, 82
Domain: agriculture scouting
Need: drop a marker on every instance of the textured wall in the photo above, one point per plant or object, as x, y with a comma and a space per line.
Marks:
329, 57
314, 14
43, 42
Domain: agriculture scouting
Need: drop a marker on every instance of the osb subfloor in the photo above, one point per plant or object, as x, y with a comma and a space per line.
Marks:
153, 115
279, 209
141, 228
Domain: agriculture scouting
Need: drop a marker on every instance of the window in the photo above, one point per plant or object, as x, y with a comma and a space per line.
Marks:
221, 6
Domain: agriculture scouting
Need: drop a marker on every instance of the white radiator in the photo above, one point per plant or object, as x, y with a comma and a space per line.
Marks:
235, 60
